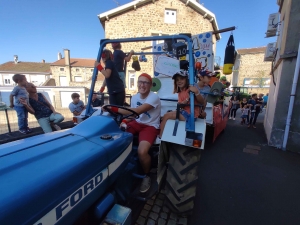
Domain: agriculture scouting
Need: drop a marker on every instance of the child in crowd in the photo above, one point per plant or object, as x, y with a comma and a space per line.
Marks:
245, 114
20, 94
235, 106
115, 85
77, 106
181, 86
242, 105
253, 113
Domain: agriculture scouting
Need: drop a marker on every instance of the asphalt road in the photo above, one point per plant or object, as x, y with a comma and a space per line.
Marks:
242, 188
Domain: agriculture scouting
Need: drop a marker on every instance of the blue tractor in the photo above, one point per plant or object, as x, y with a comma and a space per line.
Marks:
85, 174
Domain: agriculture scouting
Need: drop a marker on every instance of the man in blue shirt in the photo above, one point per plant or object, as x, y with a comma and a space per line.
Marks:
265, 98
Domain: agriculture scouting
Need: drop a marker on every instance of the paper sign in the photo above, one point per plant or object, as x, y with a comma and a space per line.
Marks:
167, 66
203, 50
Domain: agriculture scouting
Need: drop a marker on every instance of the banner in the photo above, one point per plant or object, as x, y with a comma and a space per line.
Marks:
166, 65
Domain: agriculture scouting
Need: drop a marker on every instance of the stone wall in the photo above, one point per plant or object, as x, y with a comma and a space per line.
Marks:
148, 20
253, 66
84, 72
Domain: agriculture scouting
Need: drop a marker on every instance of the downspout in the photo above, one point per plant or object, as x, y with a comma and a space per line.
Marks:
292, 100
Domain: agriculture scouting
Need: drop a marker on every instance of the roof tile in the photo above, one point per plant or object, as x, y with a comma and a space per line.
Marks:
243, 51
25, 67
75, 62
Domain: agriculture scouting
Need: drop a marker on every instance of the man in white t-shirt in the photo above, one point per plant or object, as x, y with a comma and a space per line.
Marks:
147, 105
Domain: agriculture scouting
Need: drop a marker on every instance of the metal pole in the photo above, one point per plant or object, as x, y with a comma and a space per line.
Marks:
224, 30
292, 100
7, 121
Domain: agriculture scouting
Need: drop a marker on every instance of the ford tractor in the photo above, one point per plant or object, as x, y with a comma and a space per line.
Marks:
87, 174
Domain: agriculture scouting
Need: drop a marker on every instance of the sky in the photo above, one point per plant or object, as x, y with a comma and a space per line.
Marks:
36, 30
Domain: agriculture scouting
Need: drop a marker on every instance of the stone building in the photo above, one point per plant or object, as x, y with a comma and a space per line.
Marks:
75, 72
155, 18
250, 70
282, 120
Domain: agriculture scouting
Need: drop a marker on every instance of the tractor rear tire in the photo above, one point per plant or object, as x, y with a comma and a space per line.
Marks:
182, 176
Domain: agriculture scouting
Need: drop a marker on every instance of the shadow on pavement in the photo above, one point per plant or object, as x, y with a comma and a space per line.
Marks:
235, 187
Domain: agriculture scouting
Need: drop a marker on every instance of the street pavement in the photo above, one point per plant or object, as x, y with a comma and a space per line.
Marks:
239, 185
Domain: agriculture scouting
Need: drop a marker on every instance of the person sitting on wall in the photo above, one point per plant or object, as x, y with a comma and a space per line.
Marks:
41, 108
95, 101
147, 104
76, 106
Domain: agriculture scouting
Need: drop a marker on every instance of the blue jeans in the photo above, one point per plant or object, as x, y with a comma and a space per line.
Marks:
122, 76
22, 114
53, 118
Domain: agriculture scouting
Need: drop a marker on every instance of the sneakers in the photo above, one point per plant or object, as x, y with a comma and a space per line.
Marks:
230, 117
29, 130
146, 183
233, 118
23, 131
56, 127
157, 141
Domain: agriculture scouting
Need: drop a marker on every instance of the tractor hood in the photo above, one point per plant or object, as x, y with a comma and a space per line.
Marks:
49, 175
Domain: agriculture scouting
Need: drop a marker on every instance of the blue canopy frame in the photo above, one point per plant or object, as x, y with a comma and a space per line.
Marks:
189, 42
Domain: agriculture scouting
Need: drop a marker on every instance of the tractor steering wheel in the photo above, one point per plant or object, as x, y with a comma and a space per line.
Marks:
118, 117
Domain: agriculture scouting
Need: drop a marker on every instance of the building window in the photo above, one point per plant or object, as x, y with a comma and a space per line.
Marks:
92, 70
131, 80
7, 81
170, 16
61, 69
257, 82
77, 70
77, 78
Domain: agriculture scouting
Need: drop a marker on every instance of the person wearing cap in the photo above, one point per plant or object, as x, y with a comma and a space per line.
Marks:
181, 86
204, 77
113, 81
223, 80
147, 104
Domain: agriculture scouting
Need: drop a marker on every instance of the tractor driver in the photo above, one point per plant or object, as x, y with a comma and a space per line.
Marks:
147, 104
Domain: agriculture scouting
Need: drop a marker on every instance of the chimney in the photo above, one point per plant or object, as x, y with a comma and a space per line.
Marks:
59, 56
16, 59
43, 60
67, 57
